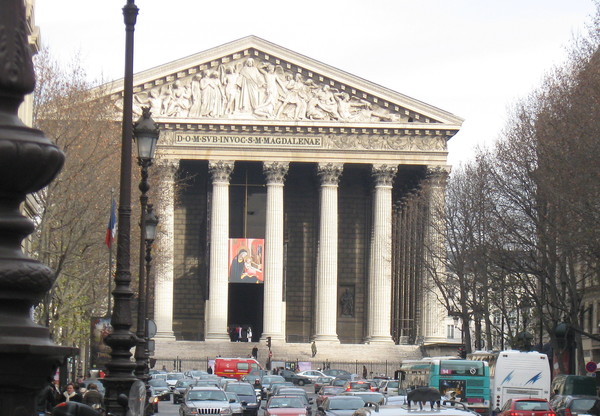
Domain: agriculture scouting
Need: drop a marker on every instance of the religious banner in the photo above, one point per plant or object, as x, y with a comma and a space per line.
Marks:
246, 265
99, 351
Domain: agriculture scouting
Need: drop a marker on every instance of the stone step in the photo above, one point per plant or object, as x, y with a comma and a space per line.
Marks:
351, 354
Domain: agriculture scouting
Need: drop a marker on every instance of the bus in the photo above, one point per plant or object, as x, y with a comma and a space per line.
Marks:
516, 374
466, 381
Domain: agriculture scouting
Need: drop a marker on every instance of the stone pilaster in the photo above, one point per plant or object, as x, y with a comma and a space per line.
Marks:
327, 259
274, 307
217, 304
433, 310
164, 276
380, 264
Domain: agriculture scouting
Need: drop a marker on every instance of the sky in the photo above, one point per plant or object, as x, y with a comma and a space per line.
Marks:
472, 58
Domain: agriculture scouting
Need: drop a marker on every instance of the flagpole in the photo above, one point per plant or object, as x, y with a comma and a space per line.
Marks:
110, 260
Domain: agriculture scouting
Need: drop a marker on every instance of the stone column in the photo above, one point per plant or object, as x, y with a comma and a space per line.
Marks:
217, 304
434, 312
164, 275
327, 259
380, 256
274, 311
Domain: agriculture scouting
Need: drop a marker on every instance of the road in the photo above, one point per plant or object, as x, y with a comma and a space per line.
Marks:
169, 409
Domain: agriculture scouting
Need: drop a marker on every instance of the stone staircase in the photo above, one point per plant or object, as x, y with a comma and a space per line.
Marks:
168, 350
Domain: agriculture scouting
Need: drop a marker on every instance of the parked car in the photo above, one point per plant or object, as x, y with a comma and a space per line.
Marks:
328, 391
205, 401
322, 381
339, 406
389, 387
237, 408
159, 388
297, 391
312, 374
289, 375
367, 396
266, 382
247, 395
577, 405
337, 373
359, 385
180, 388
527, 407
172, 378
194, 374
284, 406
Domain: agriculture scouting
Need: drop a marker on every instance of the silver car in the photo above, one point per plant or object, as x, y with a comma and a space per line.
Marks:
205, 401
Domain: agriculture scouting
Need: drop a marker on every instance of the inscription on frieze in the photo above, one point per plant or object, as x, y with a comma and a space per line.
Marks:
240, 140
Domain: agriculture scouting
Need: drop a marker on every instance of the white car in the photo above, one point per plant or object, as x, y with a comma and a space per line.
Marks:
311, 374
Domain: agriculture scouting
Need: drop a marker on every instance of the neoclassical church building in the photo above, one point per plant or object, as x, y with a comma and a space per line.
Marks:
296, 201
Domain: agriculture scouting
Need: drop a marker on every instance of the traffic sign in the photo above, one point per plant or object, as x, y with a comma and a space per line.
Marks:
591, 367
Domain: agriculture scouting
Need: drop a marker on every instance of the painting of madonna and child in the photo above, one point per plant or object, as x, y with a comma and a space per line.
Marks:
246, 260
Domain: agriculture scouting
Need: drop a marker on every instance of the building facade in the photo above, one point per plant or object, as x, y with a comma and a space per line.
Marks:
290, 199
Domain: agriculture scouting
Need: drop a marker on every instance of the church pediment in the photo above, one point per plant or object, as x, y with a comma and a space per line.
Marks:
254, 80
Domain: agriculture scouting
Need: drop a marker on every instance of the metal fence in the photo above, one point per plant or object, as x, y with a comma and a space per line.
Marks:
379, 368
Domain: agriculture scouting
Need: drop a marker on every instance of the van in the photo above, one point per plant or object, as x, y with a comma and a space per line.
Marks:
235, 367
569, 384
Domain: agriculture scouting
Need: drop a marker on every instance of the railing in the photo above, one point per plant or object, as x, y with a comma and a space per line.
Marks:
375, 368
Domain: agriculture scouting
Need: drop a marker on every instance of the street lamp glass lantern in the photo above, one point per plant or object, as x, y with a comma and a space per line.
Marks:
151, 221
146, 135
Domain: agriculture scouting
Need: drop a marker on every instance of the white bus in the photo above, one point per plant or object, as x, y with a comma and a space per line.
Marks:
516, 374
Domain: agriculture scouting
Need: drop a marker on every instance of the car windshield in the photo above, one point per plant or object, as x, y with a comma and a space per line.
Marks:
174, 376
232, 395
585, 405
160, 376
197, 373
371, 397
157, 383
271, 379
183, 383
346, 403
291, 402
244, 389
332, 391
208, 395
531, 405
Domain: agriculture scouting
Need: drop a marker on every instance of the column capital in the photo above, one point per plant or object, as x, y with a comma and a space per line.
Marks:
330, 173
384, 174
438, 175
168, 165
220, 170
275, 171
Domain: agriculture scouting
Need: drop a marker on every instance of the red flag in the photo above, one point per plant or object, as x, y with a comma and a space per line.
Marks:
112, 224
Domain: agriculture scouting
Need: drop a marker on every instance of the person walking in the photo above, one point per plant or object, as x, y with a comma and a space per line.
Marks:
70, 394
92, 397
255, 353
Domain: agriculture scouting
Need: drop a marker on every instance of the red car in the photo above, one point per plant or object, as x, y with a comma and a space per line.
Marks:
527, 407
285, 406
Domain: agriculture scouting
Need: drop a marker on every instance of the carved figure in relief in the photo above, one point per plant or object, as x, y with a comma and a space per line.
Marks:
250, 81
346, 107
196, 96
179, 100
296, 94
327, 102
232, 91
272, 87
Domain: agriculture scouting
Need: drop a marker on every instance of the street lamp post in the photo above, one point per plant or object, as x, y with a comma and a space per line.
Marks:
146, 135
28, 162
151, 225
120, 378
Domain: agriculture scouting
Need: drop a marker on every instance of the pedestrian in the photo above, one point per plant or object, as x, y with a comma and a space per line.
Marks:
70, 394
47, 399
92, 397
365, 372
249, 335
255, 353
313, 348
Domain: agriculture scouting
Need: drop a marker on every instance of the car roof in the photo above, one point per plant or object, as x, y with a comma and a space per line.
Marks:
401, 410
211, 388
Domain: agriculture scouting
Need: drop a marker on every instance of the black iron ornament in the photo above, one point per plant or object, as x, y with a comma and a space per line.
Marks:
28, 162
